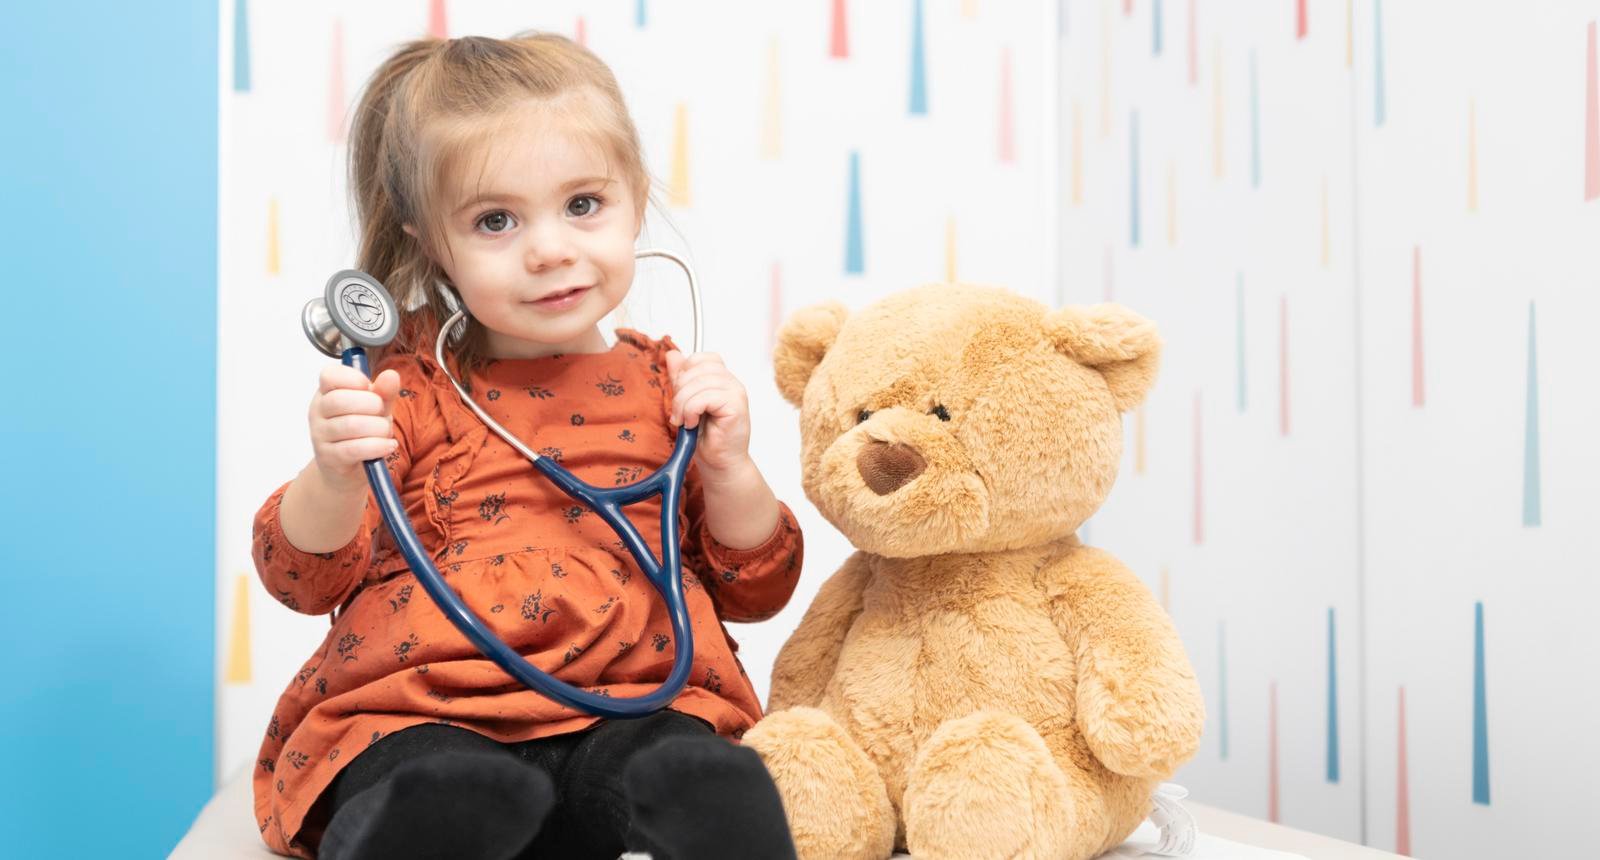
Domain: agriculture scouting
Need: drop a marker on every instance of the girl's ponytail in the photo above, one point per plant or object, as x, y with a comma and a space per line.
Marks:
380, 157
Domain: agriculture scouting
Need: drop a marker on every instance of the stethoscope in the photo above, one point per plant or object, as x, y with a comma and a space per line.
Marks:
354, 313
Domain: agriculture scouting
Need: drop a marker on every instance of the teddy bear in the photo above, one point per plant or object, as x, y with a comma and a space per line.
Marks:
973, 682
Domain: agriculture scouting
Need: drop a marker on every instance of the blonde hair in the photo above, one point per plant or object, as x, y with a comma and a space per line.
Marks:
425, 108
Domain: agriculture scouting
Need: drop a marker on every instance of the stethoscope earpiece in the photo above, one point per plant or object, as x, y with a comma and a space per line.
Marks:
354, 310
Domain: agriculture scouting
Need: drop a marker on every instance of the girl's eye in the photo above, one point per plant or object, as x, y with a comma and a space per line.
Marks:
863, 415
583, 205
940, 412
495, 222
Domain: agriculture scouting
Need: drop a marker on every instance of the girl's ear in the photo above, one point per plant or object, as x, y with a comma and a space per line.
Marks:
411, 230
802, 342
1114, 340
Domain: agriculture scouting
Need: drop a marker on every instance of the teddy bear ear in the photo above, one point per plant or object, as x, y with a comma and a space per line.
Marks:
1114, 340
802, 342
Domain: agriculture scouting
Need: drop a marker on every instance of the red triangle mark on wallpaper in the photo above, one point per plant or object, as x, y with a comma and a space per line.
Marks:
1194, 47
1591, 172
839, 44
1402, 790
580, 33
1272, 752
1300, 19
1008, 130
437, 26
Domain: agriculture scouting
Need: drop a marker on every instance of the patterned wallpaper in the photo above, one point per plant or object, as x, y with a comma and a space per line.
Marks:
1358, 486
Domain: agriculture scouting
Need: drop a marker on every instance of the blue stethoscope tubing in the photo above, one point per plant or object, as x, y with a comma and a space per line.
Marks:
607, 502
356, 312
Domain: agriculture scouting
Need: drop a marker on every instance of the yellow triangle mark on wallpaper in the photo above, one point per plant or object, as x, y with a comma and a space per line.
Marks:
1472, 155
969, 8
1216, 117
1326, 250
950, 250
771, 123
238, 666
678, 194
272, 237
1349, 33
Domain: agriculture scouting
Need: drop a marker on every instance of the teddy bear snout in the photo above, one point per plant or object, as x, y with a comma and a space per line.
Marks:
888, 467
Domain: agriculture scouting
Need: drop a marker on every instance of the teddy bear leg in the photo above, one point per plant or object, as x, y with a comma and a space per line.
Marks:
833, 795
985, 785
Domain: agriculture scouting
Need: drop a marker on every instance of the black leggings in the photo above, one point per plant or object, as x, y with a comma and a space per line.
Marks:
594, 813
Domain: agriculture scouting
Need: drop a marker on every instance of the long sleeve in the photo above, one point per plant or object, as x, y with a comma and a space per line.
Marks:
317, 583
744, 584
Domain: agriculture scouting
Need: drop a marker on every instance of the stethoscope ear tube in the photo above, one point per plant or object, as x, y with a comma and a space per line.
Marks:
607, 503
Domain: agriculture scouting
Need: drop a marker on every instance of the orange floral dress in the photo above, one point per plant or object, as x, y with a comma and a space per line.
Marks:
545, 573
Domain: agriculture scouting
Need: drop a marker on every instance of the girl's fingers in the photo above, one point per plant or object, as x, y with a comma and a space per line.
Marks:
336, 376
686, 391
360, 450
713, 402
347, 401
674, 364
387, 387
689, 376
345, 427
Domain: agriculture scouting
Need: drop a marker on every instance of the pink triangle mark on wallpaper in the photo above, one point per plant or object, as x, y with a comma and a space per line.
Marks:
839, 42
437, 27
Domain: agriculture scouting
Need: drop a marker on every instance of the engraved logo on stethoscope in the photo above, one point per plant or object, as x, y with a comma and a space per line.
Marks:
361, 306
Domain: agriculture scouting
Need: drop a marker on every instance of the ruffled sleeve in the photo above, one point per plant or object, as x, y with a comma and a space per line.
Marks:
745, 584
317, 583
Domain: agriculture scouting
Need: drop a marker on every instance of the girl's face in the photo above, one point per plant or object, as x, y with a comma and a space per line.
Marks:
541, 242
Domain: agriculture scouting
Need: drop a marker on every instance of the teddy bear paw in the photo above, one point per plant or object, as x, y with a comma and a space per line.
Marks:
985, 786
836, 802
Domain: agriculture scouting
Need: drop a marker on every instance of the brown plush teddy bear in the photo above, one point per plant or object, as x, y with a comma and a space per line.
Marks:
974, 682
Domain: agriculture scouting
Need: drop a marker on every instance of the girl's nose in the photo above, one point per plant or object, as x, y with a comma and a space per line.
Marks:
548, 246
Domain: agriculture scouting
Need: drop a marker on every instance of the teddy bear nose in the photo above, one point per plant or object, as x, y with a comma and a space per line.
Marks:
887, 467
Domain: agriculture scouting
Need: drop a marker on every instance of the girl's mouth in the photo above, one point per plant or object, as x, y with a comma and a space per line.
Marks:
562, 300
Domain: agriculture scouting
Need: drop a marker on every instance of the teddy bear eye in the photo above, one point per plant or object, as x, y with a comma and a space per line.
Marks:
942, 413
863, 415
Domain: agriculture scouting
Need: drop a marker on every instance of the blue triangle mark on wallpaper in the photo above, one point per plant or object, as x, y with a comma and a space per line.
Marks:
241, 47
1133, 179
1480, 716
919, 76
1155, 26
854, 258
1333, 703
1379, 109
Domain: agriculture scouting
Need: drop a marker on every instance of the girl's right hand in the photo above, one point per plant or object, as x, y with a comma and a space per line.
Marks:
350, 419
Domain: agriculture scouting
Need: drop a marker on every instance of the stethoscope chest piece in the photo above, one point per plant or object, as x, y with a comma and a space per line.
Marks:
354, 310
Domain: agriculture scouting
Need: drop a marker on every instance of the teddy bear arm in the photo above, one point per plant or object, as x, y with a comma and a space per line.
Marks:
1139, 704
807, 661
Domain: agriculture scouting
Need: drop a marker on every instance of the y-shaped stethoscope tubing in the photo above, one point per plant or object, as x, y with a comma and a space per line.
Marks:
607, 502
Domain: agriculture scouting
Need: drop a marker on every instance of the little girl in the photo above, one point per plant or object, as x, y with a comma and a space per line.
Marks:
509, 172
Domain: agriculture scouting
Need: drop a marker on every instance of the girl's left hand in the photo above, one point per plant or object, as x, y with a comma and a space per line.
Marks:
704, 388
